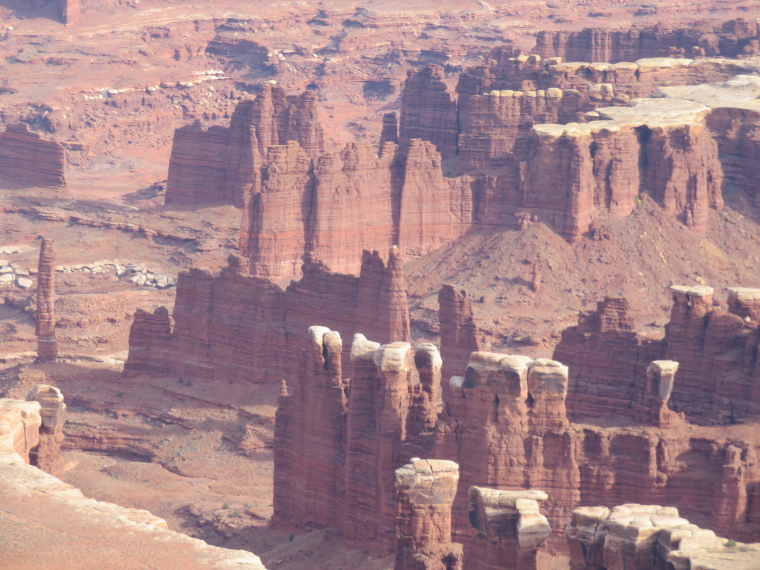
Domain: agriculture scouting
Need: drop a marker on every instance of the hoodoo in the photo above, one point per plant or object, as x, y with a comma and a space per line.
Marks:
47, 345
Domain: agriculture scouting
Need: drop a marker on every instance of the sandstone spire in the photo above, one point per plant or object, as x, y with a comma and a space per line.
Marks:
382, 303
459, 334
47, 346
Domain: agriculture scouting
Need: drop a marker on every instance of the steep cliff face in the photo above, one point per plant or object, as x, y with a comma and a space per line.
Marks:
309, 446
223, 163
429, 111
336, 455
70, 12
715, 349
505, 425
333, 206
241, 328
354, 205
26, 158
149, 343
730, 39
47, 345
509, 528
683, 172
459, 333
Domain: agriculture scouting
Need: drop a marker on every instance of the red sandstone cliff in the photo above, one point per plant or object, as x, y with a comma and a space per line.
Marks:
713, 348
27, 158
222, 163
733, 38
429, 111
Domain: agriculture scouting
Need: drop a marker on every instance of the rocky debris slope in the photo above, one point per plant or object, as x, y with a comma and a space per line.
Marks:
48, 523
27, 158
642, 537
235, 327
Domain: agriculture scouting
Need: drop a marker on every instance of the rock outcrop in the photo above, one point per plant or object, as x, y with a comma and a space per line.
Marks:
334, 205
338, 443
425, 489
70, 12
223, 163
712, 346
644, 537
47, 345
429, 111
509, 529
28, 159
458, 331
47, 453
40, 509
149, 343
240, 328
731, 39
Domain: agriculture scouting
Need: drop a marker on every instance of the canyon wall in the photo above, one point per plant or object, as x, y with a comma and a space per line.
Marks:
559, 142
223, 163
47, 345
733, 38
425, 489
26, 158
236, 327
338, 442
716, 350
505, 423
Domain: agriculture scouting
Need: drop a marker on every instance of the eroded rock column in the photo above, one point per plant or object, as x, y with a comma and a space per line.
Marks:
425, 489
508, 529
47, 453
661, 376
47, 345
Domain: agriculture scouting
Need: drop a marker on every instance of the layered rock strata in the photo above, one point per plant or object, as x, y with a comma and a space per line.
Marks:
458, 331
239, 328
331, 206
425, 489
149, 343
47, 453
223, 163
342, 474
47, 344
40, 509
509, 529
28, 159
504, 422
644, 537
730, 39
712, 346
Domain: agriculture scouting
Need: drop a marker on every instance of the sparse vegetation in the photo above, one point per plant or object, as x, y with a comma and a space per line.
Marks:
730, 544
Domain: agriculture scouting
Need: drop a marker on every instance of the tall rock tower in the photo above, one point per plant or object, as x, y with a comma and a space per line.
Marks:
47, 346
